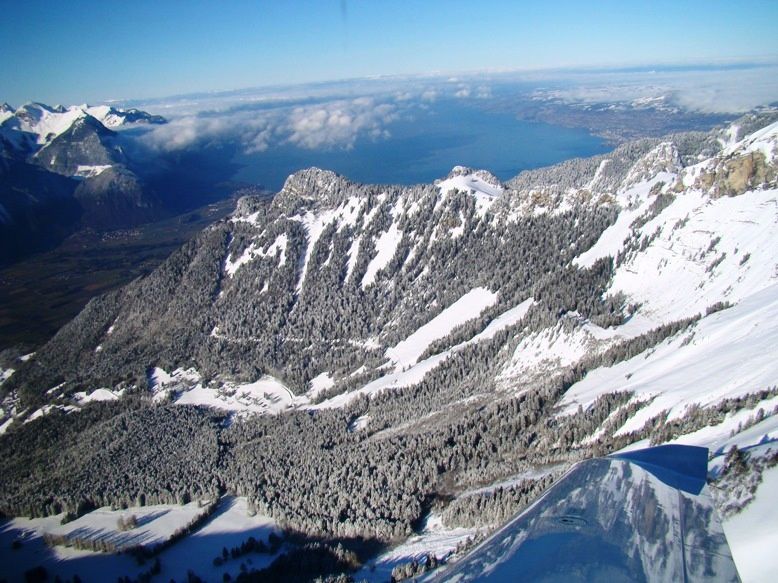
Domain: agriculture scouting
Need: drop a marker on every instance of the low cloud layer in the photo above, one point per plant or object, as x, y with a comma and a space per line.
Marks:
703, 90
335, 124
337, 115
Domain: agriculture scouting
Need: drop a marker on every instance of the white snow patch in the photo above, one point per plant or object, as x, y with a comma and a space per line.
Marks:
85, 171
97, 395
268, 395
752, 534
253, 251
505, 320
6, 424
359, 423
386, 246
5, 374
46, 409
353, 253
320, 383
252, 218
484, 192
466, 308
159, 377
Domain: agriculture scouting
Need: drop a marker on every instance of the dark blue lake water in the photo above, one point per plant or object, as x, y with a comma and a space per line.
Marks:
426, 147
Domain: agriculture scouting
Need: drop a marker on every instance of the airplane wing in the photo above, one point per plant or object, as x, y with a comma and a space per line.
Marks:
645, 515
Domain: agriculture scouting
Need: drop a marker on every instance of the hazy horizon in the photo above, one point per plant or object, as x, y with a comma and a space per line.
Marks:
82, 52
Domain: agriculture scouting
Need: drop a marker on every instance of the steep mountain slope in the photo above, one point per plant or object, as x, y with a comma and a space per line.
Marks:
37, 208
420, 346
84, 149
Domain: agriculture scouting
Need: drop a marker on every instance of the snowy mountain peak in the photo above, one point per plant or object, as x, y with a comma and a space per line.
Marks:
111, 117
6, 112
34, 125
663, 159
483, 185
480, 180
310, 185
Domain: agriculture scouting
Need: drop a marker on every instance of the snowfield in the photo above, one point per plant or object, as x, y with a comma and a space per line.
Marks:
230, 525
727, 354
267, 395
466, 308
156, 524
752, 534
386, 246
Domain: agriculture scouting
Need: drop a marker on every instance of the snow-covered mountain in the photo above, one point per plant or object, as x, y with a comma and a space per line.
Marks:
451, 346
72, 141
64, 168
35, 125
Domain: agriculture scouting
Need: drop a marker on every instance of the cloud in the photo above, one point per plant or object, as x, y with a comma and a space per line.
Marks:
483, 92
334, 124
340, 123
339, 114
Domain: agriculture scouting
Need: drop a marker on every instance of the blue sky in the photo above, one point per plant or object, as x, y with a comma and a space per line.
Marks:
76, 51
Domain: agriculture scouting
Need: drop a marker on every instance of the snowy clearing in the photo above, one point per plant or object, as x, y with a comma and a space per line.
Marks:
229, 526
156, 524
267, 395
466, 308
386, 246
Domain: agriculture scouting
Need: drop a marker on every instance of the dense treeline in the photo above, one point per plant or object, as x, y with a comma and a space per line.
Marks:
278, 313
307, 469
144, 455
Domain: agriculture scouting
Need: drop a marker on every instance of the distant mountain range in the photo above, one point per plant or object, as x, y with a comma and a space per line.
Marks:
65, 168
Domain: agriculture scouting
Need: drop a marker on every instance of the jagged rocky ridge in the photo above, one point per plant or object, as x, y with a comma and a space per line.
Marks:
434, 338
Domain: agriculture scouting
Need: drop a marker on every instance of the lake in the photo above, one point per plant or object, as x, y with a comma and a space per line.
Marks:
425, 146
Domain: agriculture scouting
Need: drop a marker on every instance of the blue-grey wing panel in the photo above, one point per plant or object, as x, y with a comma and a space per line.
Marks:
607, 519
